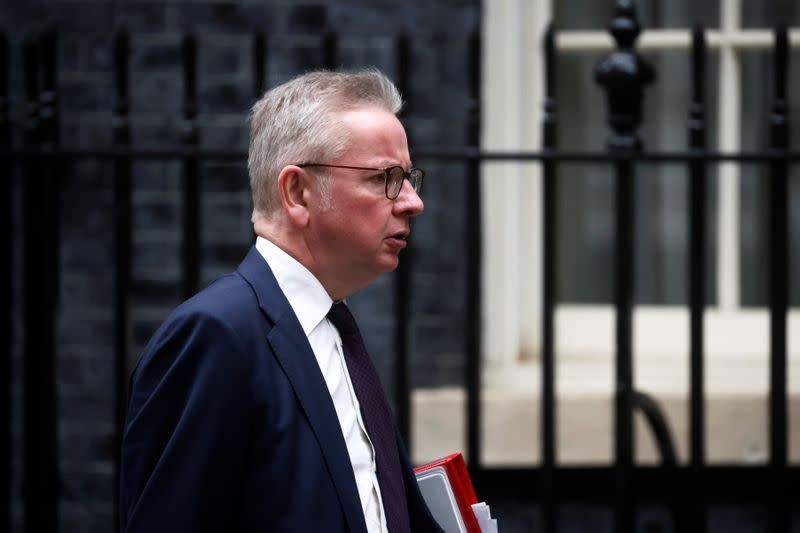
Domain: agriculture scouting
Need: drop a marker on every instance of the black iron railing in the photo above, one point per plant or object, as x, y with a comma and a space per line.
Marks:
687, 490
6, 284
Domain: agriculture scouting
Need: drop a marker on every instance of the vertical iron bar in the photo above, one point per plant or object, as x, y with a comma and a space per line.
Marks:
695, 493
6, 292
402, 284
122, 252
473, 245
192, 229
623, 302
330, 51
50, 222
259, 64
41, 463
548, 405
48, 50
49, 127
259, 74
778, 289
624, 74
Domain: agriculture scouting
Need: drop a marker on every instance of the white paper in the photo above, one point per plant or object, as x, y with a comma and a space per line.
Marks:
484, 516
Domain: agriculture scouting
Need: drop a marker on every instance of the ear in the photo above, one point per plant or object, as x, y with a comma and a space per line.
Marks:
293, 185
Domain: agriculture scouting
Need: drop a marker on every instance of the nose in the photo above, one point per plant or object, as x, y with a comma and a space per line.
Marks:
408, 202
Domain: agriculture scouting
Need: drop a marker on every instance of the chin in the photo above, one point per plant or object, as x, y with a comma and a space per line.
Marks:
389, 264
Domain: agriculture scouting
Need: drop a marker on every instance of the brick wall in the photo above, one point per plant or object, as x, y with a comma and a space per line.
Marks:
438, 101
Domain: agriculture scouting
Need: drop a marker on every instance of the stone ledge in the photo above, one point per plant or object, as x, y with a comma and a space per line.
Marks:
736, 427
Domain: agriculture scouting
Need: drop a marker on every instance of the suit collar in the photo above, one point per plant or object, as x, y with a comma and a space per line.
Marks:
255, 270
290, 346
308, 298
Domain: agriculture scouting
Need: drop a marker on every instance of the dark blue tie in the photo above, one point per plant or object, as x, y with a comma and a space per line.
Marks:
377, 417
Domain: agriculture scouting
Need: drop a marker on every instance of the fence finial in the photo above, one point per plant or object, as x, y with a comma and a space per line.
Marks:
624, 74
625, 25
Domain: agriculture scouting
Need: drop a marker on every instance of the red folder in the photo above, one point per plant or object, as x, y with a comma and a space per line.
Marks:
447, 488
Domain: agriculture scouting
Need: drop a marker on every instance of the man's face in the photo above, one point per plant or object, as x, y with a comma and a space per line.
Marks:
359, 233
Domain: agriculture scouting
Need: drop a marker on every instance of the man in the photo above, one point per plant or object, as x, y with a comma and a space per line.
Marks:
255, 408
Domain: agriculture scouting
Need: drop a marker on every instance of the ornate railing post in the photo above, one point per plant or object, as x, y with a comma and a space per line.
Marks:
190, 139
549, 268
6, 290
624, 74
779, 519
40, 279
695, 493
123, 248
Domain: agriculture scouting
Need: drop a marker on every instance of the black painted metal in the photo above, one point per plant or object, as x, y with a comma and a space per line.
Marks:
778, 289
6, 292
330, 51
123, 251
40, 282
461, 153
658, 424
402, 280
695, 493
624, 74
48, 111
260, 82
623, 300
259, 65
439, 153
192, 230
549, 269
727, 485
473, 246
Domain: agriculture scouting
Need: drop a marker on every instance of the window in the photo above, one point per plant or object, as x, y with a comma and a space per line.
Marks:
739, 41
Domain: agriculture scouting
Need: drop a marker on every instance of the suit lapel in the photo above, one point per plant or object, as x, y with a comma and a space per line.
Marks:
301, 368
294, 354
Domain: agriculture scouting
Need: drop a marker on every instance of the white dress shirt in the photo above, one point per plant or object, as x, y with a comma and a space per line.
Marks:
311, 303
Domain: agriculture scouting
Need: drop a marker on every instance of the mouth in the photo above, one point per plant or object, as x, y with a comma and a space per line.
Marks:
402, 235
399, 239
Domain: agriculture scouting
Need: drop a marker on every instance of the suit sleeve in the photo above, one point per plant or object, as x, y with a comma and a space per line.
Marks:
187, 428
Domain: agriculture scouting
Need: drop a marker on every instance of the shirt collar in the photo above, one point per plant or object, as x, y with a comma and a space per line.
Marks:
308, 298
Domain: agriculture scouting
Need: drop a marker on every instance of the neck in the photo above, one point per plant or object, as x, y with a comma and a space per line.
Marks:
294, 242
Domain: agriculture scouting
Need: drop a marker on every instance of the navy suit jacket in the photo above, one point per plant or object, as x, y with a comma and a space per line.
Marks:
230, 426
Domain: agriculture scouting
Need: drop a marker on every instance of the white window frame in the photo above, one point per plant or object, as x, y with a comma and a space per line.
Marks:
513, 92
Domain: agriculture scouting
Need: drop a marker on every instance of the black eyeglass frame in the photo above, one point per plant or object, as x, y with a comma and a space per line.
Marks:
414, 177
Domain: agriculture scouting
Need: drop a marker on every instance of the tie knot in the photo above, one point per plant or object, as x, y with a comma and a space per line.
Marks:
341, 317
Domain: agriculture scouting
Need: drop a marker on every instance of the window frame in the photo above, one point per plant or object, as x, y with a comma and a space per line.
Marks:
513, 88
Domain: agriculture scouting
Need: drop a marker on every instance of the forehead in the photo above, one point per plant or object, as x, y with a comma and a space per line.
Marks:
375, 134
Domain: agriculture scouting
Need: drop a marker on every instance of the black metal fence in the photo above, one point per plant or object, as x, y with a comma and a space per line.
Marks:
687, 490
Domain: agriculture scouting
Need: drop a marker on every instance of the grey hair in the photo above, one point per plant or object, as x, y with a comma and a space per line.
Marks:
298, 121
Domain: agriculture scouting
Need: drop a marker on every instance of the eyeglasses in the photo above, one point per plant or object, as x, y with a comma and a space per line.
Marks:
393, 177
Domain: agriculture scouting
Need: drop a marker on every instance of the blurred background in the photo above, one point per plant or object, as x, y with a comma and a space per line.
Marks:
123, 129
